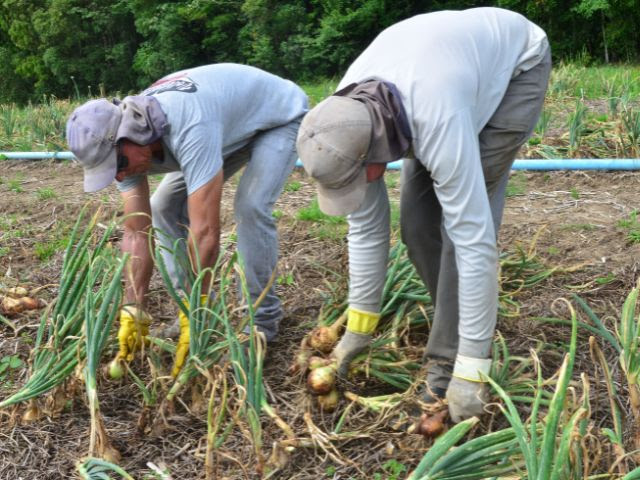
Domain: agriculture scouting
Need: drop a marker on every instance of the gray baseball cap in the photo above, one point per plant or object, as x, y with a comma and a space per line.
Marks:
333, 142
92, 133
94, 129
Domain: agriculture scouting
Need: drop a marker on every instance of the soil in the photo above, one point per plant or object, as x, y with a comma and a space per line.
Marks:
571, 220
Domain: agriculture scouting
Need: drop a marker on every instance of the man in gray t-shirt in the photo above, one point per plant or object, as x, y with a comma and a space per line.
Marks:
199, 126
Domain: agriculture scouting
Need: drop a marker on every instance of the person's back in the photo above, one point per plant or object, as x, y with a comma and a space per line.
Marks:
446, 61
214, 110
240, 99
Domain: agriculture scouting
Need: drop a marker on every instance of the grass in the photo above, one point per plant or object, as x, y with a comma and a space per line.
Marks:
317, 91
15, 185
517, 184
293, 186
579, 227
46, 193
632, 226
573, 112
45, 250
594, 82
312, 213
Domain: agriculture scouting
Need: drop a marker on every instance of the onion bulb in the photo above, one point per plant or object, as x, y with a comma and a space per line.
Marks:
301, 361
15, 292
115, 369
432, 426
13, 306
317, 362
328, 402
32, 413
321, 380
323, 339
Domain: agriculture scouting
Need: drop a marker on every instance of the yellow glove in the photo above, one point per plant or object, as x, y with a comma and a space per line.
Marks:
182, 348
134, 327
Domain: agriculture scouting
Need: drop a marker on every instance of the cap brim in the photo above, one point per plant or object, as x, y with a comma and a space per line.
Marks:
345, 200
102, 175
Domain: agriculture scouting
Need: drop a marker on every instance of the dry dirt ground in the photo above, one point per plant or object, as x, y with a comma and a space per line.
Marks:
576, 216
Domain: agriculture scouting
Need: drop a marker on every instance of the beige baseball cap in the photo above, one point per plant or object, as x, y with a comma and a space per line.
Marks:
333, 142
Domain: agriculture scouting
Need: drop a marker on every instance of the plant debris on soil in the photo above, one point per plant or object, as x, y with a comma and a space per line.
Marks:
578, 218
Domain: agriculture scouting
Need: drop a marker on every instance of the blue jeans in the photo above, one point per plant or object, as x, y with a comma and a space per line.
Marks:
269, 158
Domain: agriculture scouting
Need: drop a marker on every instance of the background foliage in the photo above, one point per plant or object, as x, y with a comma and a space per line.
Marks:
70, 48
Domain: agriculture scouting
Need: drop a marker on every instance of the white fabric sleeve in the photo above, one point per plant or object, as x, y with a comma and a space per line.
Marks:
452, 155
369, 248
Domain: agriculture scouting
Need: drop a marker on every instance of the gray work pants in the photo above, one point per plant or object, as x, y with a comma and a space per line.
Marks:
269, 159
428, 245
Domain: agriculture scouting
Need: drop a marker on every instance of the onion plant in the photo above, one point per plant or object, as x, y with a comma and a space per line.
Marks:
58, 347
615, 434
546, 449
514, 373
626, 342
488, 456
98, 469
541, 449
101, 306
216, 337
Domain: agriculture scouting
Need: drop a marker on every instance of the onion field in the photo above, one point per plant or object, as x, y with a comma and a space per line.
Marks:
565, 379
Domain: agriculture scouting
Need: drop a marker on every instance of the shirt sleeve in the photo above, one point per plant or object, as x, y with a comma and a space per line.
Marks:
452, 156
368, 241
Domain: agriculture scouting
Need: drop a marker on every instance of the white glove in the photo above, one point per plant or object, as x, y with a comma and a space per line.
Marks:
468, 392
350, 345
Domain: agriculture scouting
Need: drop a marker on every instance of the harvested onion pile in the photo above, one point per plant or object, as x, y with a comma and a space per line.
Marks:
13, 306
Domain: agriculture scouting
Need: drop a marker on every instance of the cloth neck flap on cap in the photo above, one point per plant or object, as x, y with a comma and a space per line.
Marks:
143, 121
391, 136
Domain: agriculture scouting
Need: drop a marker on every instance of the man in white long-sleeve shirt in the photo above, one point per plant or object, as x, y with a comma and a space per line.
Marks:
458, 92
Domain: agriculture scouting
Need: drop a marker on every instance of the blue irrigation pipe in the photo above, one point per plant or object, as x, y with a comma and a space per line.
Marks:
523, 164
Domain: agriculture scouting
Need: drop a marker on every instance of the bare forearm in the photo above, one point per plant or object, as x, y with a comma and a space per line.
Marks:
140, 266
204, 250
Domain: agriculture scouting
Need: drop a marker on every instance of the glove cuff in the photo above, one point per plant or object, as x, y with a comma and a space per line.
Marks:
130, 312
359, 321
471, 369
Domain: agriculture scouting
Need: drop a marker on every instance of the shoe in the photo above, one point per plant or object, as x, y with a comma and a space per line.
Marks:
434, 388
439, 371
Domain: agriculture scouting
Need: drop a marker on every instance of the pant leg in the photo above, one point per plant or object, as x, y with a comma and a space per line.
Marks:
170, 219
273, 156
432, 253
507, 130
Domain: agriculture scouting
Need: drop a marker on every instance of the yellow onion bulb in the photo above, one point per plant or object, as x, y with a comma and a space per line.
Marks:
317, 362
115, 369
328, 402
301, 361
323, 339
321, 380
